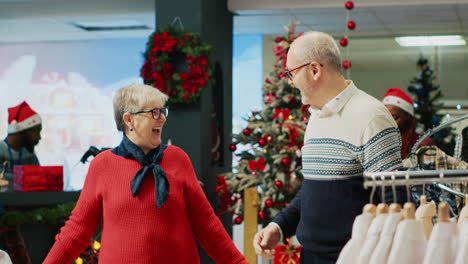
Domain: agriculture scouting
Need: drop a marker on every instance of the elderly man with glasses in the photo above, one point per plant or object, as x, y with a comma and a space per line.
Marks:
348, 132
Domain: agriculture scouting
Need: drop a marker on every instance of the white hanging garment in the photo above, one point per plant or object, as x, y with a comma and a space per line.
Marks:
409, 243
442, 245
349, 254
382, 250
4, 257
372, 238
462, 247
463, 217
424, 214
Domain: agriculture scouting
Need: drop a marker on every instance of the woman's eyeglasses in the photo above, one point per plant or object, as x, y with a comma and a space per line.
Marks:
155, 112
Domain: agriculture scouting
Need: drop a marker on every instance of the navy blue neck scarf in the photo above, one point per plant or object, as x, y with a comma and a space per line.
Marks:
149, 161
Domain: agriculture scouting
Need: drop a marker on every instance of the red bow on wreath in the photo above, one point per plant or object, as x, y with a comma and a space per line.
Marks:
259, 164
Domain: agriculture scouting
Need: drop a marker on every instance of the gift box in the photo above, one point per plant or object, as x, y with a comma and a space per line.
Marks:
32, 178
287, 254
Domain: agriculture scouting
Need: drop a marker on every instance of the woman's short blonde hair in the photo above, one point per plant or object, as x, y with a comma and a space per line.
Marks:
133, 98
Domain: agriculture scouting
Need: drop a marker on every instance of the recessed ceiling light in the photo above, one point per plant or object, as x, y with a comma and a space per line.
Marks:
420, 41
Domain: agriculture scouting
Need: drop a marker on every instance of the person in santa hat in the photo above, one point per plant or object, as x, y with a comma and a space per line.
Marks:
401, 107
24, 133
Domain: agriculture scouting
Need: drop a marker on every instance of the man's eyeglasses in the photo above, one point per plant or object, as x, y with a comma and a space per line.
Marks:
289, 72
156, 112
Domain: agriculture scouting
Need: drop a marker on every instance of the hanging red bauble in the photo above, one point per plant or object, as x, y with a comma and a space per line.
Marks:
262, 142
285, 162
238, 220
346, 64
279, 184
351, 25
232, 147
261, 215
291, 99
349, 5
269, 98
247, 131
269, 203
267, 81
269, 138
344, 42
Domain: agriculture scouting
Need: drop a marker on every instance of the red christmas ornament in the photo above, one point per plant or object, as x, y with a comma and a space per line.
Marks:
351, 25
267, 81
261, 215
344, 42
346, 64
238, 220
269, 138
247, 131
232, 147
279, 184
291, 99
269, 98
269, 203
285, 162
262, 142
349, 5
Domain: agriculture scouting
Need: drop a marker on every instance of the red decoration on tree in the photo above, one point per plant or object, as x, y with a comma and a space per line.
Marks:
344, 42
291, 99
285, 162
349, 5
261, 215
238, 220
269, 203
267, 81
346, 64
279, 184
262, 142
351, 25
269, 138
269, 98
232, 147
247, 131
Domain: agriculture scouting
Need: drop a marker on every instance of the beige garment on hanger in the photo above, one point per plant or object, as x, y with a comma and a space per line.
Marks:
442, 245
4, 257
463, 217
382, 249
349, 254
424, 214
372, 238
462, 246
409, 243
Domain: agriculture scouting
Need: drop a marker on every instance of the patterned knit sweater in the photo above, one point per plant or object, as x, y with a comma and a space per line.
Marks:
133, 229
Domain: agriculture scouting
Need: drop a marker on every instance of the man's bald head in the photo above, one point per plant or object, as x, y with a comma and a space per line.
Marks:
317, 46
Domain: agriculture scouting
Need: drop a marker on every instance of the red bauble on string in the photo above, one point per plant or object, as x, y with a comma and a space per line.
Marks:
269, 203
344, 42
349, 5
269, 98
261, 215
285, 162
351, 25
346, 64
238, 220
279, 184
246, 131
269, 138
232, 147
262, 142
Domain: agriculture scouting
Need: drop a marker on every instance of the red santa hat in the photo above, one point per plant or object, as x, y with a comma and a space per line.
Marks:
395, 96
22, 117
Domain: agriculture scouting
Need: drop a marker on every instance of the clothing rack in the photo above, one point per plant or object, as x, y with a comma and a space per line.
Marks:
398, 178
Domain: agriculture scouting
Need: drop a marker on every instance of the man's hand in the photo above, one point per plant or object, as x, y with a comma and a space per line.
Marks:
266, 240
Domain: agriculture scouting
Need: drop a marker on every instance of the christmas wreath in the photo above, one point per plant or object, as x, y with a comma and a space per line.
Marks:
176, 63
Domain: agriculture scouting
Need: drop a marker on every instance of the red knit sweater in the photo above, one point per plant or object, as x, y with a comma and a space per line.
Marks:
133, 229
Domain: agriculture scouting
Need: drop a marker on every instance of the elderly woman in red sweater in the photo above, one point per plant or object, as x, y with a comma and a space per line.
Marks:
147, 195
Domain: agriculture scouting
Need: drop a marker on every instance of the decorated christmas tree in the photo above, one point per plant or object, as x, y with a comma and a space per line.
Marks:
271, 143
427, 106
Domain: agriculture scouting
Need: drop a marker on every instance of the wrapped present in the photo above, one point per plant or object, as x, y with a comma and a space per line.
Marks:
32, 178
287, 254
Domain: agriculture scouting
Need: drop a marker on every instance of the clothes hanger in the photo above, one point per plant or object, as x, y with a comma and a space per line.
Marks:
394, 207
370, 207
382, 208
409, 209
443, 213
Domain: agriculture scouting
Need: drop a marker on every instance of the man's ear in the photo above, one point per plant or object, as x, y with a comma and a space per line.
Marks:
316, 70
